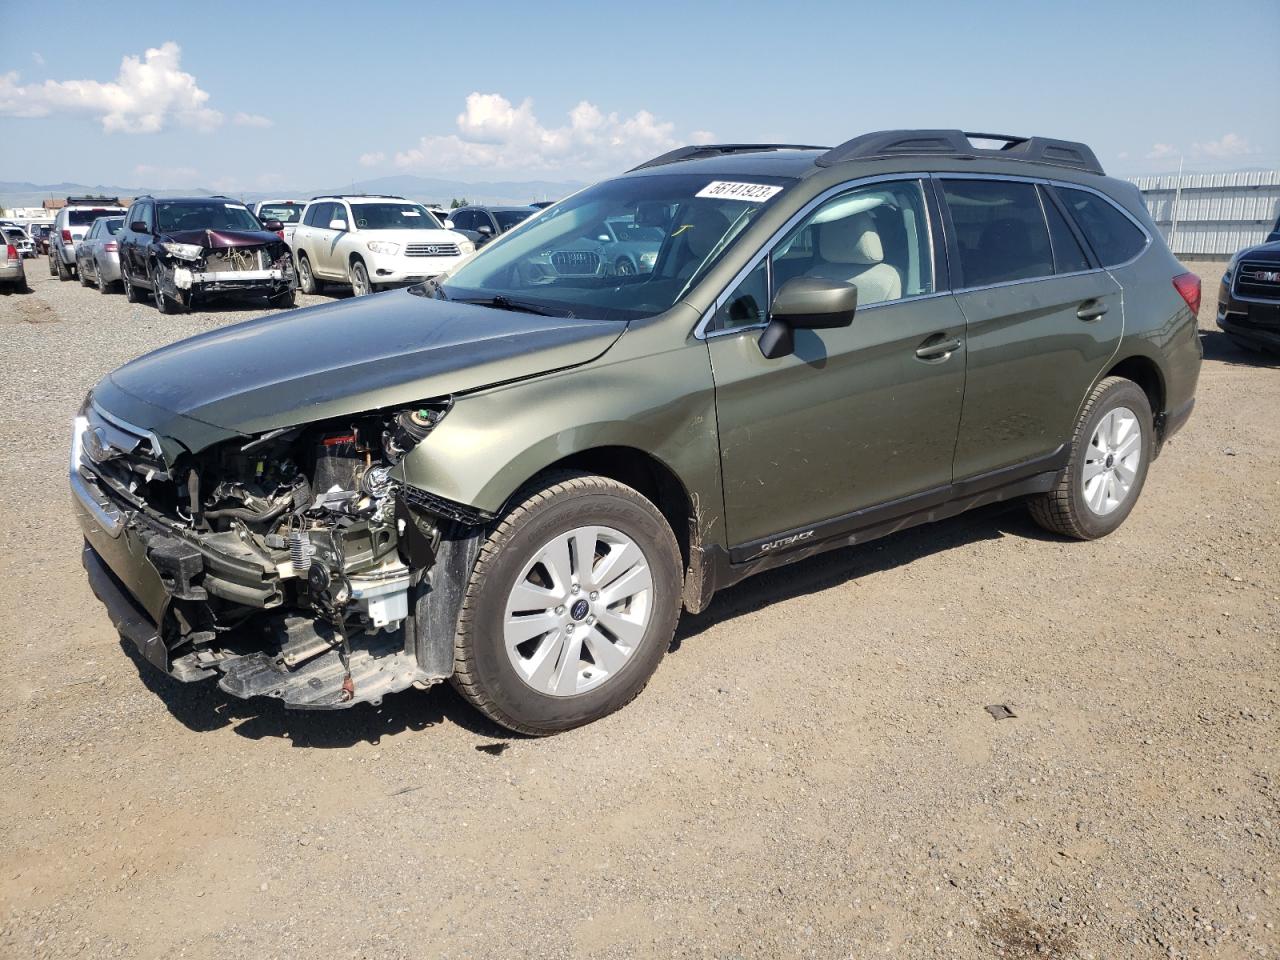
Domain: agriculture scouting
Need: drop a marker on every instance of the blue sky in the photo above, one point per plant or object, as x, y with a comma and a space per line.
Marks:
258, 95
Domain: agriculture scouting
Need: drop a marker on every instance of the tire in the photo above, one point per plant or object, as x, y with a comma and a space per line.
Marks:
104, 286
164, 303
1089, 509
84, 280
53, 271
64, 272
307, 281
282, 301
131, 293
361, 286
522, 697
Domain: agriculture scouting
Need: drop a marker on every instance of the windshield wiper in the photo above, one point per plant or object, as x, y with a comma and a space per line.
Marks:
500, 302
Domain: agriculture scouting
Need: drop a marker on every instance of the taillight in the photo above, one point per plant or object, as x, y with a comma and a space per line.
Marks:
12, 252
110, 246
66, 236
280, 234
1188, 287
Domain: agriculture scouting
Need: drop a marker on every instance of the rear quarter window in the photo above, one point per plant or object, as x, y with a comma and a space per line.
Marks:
1114, 237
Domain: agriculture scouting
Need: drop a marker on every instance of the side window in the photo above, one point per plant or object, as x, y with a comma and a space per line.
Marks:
144, 214
463, 219
875, 237
309, 215
1068, 256
324, 213
1112, 235
749, 304
1000, 231
340, 212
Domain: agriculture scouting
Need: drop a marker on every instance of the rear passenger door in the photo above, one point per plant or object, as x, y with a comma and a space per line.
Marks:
1042, 317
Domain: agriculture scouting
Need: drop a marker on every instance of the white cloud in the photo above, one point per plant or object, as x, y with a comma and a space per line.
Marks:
1225, 147
702, 136
145, 96
165, 177
495, 134
372, 159
38, 57
1162, 151
252, 120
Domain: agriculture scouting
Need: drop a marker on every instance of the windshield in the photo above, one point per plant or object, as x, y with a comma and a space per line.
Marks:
284, 212
213, 215
509, 218
82, 218
393, 216
568, 263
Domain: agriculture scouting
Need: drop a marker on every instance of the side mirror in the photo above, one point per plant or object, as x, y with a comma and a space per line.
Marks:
337, 225
604, 238
448, 224
806, 303
485, 230
272, 226
138, 226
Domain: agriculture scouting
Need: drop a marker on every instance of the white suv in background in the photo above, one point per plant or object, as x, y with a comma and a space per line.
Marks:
71, 224
371, 242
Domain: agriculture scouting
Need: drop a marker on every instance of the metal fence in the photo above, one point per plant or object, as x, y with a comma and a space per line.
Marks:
1213, 214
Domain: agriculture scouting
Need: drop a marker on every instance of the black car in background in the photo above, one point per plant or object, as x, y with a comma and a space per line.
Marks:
183, 249
482, 224
1249, 296
1275, 232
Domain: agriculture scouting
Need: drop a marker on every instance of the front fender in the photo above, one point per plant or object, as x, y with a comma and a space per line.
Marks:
662, 404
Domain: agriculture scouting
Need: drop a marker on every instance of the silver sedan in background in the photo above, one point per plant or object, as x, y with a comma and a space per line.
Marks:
98, 256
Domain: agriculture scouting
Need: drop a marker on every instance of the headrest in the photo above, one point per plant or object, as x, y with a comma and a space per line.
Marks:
702, 228
850, 240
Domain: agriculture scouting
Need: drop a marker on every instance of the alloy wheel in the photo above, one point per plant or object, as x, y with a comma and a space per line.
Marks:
578, 611
1111, 461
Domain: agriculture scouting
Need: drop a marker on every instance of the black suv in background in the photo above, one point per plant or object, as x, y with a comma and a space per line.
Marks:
1249, 296
482, 224
183, 248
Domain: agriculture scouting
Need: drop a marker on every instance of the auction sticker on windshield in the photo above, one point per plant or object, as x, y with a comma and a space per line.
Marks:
727, 190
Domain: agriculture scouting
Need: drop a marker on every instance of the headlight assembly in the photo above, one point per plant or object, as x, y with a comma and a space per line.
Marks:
383, 246
184, 251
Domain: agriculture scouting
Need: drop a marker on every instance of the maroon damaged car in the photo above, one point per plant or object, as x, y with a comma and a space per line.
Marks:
182, 250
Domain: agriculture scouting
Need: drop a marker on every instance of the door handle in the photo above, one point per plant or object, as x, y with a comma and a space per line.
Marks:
935, 349
1091, 310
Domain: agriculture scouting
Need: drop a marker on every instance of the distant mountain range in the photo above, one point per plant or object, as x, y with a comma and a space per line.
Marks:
422, 189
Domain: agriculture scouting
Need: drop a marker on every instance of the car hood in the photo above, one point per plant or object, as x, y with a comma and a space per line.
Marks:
412, 236
337, 359
1264, 251
222, 239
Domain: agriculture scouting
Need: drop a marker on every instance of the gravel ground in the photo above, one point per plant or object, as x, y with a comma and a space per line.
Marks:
810, 774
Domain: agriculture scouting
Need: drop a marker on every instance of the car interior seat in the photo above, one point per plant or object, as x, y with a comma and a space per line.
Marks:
849, 249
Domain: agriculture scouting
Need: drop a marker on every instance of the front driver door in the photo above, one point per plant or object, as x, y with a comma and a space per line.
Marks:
857, 417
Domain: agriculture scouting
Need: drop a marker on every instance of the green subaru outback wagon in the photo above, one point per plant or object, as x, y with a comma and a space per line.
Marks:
517, 475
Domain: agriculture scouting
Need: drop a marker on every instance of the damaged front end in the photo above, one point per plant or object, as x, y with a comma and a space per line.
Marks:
216, 262
291, 565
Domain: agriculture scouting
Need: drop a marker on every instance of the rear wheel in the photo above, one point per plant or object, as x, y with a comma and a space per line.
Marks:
84, 279
360, 284
1112, 447
104, 285
64, 272
570, 607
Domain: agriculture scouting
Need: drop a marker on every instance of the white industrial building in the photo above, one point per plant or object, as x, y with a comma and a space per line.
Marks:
1213, 214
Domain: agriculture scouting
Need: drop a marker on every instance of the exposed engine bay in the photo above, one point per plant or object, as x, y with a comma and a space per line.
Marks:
223, 261
287, 560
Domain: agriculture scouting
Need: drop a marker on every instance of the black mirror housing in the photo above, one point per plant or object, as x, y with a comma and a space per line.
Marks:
138, 226
273, 226
806, 303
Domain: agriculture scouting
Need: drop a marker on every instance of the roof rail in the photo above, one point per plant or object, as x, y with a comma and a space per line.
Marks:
698, 151
90, 201
343, 196
957, 143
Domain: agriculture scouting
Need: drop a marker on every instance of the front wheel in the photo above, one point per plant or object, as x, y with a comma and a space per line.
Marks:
307, 281
131, 293
570, 607
1111, 449
281, 301
360, 284
164, 302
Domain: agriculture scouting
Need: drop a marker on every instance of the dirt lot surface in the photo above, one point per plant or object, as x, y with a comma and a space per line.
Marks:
810, 774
